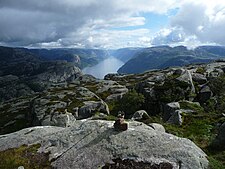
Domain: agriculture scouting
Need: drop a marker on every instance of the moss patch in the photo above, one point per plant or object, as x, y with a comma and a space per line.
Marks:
111, 118
191, 106
26, 156
104, 95
216, 160
75, 103
200, 70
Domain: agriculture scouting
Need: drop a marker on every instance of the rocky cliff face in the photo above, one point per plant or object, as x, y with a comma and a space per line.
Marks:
23, 73
79, 57
93, 144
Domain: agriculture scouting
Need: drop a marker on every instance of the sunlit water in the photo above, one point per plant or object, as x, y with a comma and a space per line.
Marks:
110, 65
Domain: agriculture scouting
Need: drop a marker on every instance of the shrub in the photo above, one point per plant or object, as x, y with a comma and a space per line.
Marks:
217, 85
200, 70
131, 102
172, 90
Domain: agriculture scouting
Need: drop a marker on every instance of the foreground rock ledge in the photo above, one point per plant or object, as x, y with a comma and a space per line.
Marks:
94, 143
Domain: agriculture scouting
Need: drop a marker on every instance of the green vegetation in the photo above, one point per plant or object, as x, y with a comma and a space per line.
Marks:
201, 125
131, 102
200, 128
173, 76
111, 118
26, 156
197, 128
191, 106
113, 107
172, 90
91, 86
215, 164
75, 103
217, 85
104, 94
200, 70
216, 159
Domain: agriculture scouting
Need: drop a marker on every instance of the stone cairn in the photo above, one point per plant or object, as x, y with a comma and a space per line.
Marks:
120, 124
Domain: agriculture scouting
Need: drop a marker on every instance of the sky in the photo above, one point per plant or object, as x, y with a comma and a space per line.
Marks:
111, 24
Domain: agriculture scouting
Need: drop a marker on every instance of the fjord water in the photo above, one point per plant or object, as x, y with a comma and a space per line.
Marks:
109, 65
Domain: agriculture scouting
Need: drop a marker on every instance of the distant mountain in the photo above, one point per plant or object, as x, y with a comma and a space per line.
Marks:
165, 56
125, 54
217, 50
18, 61
80, 57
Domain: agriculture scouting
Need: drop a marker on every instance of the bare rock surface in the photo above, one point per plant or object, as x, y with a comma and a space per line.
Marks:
94, 143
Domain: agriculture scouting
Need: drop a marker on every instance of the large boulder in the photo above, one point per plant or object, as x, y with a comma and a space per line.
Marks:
214, 72
147, 89
179, 72
110, 90
157, 127
139, 115
204, 94
48, 112
219, 142
114, 97
91, 107
175, 118
157, 78
199, 78
169, 109
92, 144
111, 86
65, 119
186, 77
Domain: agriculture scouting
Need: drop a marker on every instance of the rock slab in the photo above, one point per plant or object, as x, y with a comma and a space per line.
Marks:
93, 143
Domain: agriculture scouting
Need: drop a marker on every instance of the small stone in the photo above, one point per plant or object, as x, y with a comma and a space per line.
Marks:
21, 167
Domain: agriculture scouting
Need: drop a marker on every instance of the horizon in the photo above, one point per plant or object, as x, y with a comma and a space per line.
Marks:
113, 24
52, 48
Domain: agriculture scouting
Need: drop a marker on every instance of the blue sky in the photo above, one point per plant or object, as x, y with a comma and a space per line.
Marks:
155, 21
111, 23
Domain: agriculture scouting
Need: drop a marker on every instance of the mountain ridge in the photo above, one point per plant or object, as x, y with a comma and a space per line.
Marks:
164, 56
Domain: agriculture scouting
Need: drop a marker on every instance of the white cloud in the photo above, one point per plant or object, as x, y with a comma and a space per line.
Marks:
70, 23
104, 23
168, 36
203, 19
